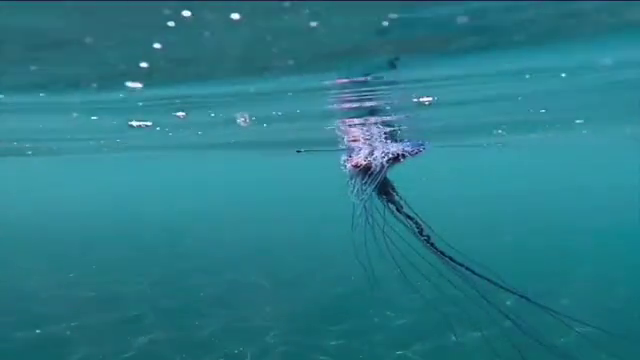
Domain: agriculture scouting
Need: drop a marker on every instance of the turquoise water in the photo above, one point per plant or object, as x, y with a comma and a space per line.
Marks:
198, 238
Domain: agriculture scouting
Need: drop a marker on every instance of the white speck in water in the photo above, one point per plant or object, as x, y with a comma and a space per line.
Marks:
180, 114
38, 331
392, 16
75, 115
264, 125
186, 13
134, 84
42, 94
94, 118
526, 76
235, 16
424, 100
242, 119
579, 121
563, 75
143, 64
313, 23
1, 96
543, 110
199, 132
157, 45
171, 23
385, 23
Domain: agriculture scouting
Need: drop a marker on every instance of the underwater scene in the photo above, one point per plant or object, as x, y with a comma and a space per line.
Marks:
318, 180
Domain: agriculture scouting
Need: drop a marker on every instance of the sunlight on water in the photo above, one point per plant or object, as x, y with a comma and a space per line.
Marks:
172, 182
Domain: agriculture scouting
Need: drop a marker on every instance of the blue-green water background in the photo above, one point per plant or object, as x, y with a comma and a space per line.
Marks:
208, 240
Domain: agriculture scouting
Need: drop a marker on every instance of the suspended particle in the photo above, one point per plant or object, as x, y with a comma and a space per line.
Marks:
180, 114
171, 23
143, 64
139, 124
134, 84
157, 45
424, 100
243, 119
186, 13
235, 16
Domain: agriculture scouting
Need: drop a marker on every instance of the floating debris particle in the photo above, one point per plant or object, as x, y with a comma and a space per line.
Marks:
424, 100
235, 16
157, 46
140, 124
180, 114
134, 84
243, 119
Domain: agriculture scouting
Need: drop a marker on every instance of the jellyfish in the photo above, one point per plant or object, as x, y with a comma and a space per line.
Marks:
372, 144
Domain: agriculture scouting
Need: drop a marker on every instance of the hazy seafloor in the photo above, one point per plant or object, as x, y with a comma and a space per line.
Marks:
202, 239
